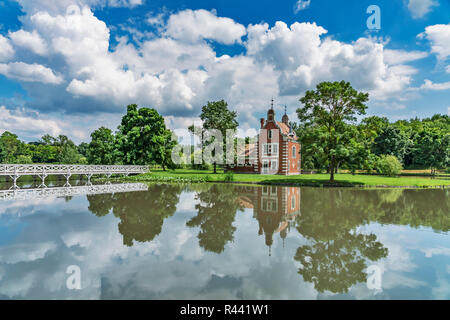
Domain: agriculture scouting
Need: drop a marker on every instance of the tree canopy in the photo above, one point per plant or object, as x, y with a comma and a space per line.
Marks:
326, 112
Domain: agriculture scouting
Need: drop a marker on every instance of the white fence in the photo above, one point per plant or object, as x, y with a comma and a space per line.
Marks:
14, 171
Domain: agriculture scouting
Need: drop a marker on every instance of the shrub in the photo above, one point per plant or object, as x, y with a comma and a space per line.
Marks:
388, 165
229, 176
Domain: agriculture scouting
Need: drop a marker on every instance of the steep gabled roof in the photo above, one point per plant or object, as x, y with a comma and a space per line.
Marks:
285, 129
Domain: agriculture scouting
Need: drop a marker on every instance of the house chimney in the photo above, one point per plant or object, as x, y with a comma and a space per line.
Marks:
262, 123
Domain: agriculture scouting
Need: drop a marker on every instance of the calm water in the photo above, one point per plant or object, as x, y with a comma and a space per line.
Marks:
209, 241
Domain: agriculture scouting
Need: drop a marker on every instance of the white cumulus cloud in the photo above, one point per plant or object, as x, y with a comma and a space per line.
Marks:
439, 36
189, 25
30, 40
29, 72
6, 49
429, 85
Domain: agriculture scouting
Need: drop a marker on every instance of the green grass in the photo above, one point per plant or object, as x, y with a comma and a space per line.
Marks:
194, 176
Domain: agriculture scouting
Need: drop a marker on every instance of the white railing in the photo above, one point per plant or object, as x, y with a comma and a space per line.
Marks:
49, 169
42, 193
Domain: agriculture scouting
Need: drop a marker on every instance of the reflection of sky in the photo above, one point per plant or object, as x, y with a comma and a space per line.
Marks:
40, 239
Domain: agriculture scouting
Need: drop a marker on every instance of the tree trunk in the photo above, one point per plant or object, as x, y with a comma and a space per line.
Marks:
215, 171
332, 165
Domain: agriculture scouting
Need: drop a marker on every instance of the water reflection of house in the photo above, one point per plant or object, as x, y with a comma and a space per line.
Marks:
274, 207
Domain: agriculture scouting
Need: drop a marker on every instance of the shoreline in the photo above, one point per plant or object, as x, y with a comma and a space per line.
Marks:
169, 177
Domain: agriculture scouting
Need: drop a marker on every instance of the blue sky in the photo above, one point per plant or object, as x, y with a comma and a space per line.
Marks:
70, 66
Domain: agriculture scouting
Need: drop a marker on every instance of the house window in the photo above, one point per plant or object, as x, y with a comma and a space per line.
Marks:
274, 165
270, 149
269, 135
294, 152
293, 203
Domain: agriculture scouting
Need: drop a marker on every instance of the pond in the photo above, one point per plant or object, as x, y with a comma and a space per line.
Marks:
224, 241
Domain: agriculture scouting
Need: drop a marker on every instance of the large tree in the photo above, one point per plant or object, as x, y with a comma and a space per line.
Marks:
330, 108
10, 147
216, 115
143, 137
101, 149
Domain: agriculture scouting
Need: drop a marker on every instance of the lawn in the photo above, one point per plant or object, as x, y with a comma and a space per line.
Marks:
188, 175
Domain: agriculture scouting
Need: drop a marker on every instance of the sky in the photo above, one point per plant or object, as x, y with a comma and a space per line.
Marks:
71, 66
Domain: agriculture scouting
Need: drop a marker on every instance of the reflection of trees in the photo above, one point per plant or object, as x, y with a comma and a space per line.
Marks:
338, 264
100, 204
337, 254
141, 213
336, 257
416, 208
216, 213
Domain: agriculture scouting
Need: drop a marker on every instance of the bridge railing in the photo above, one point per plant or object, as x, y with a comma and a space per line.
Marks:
43, 193
36, 169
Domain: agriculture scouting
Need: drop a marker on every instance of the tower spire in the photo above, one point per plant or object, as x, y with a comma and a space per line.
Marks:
271, 103
285, 108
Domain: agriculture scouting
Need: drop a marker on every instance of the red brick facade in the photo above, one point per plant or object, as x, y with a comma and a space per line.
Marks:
277, 149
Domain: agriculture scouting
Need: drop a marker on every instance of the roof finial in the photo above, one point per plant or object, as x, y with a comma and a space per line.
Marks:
285, 108
271, 103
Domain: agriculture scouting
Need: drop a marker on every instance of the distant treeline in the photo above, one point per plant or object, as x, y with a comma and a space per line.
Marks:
417, 143
142, 138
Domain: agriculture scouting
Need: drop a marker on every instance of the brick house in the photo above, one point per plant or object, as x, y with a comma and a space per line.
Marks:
276, 150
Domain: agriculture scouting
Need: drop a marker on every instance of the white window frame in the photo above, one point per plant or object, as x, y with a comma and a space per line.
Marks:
293, 202
272, 162
294, 152
270, 149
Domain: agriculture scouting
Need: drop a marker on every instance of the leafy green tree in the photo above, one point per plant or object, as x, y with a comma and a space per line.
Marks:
143, 137
392, 141
23, 159
330, 108
433, 148
10, 145
101, 149
83, 149
43, 153
68, 151
216, 115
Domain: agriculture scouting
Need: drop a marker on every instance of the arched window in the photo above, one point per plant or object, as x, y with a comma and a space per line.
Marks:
294, 152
